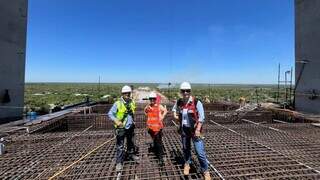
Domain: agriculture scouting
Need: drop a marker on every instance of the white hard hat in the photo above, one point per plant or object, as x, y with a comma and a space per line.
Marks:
185, 85
126, 89
153, 95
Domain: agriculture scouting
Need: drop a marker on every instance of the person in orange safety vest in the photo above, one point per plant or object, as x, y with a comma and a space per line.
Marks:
155, 113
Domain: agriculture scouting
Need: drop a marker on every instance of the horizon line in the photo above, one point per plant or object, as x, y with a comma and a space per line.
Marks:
202, 83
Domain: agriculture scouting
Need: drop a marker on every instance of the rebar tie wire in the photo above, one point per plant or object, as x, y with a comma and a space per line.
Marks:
80, 159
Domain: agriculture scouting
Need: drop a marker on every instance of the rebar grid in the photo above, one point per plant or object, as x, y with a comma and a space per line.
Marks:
39, 156
298, 142
234, 155
101, 165
251, 148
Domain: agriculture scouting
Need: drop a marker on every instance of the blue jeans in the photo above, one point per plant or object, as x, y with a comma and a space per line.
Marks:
198, 143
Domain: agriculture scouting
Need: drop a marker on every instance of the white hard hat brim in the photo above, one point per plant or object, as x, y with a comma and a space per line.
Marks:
126, 89
185, 86
153, 95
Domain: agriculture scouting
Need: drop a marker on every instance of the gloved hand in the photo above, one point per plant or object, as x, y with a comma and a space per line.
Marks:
118, 123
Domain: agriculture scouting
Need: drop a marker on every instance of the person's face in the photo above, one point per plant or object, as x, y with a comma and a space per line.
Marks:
185, 93
126, 96
152, 101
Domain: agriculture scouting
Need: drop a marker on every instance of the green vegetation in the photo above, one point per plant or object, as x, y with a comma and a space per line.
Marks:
213, 93
43, 96
40, 96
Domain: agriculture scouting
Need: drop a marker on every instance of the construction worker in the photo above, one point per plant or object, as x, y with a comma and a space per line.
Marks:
122, 114
190, 115
155, 113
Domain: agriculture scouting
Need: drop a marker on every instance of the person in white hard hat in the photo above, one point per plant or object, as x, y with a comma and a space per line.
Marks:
155, 113
190, 115
122, 114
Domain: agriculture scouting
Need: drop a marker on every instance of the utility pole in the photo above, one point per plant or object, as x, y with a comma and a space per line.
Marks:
169, 93
209, 89
285, 87
291, 87
99, 88
278, 93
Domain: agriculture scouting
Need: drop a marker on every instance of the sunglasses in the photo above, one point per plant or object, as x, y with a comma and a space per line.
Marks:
128, 94
185, 91
152, 99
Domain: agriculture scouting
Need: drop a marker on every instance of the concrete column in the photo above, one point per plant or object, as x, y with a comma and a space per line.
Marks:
307, 53
13, 28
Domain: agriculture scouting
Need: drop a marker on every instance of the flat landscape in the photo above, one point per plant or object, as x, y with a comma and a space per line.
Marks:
41, 97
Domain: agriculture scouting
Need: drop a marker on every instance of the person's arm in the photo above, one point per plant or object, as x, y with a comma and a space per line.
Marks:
112, 115
174, 110
163, 112
146, 109
200, 109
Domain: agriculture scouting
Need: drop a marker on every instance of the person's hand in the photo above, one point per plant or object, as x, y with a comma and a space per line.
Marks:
197, 133
118, 123
148, 109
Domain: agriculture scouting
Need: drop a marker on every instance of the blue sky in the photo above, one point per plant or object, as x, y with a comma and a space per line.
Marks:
207, 41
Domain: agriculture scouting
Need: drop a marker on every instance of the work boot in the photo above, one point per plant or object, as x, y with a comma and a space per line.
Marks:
206, 175
186, 169
119, 167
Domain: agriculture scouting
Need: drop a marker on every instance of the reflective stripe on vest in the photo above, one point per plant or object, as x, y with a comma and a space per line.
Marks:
191, 109
154, 123
122, 110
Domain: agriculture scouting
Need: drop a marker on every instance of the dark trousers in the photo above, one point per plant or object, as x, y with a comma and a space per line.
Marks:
157, 142
121, 135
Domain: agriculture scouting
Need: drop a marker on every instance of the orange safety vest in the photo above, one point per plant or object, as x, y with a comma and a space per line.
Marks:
153, 122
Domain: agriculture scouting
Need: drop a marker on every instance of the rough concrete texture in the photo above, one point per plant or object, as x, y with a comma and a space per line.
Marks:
307, 25
13, 28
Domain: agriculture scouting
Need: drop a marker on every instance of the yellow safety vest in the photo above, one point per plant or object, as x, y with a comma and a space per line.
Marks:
122, 111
